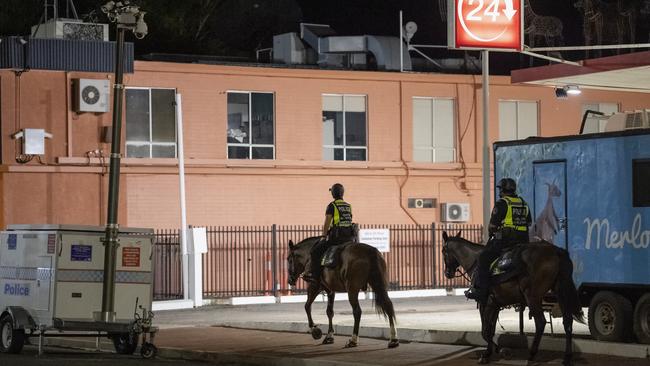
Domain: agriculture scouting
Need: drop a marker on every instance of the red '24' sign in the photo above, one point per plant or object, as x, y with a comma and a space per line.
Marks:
486, 24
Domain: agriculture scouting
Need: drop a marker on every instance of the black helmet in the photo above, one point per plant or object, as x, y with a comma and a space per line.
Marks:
337, 190
507, 185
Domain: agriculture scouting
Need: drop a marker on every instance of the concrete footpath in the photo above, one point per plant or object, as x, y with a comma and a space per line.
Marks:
432, 330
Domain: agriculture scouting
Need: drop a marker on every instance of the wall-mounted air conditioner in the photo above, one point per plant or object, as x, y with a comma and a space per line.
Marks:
454, 212
91, 95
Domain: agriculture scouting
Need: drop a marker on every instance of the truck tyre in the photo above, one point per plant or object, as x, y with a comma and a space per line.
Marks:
125, 343
642, 319
11, 339
610, 317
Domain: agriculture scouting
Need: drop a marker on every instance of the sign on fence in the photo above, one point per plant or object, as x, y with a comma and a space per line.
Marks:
378, 238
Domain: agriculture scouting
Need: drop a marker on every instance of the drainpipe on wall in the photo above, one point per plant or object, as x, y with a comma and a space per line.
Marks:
181, 185
401, 156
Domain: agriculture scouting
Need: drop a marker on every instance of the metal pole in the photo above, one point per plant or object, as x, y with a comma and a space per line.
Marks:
112, 227
401, 43
181, 187
486, 144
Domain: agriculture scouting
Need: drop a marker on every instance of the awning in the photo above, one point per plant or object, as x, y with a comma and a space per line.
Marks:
628, 72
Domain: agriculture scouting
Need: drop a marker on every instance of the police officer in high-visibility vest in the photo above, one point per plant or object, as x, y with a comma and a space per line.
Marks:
337, 228
508, 226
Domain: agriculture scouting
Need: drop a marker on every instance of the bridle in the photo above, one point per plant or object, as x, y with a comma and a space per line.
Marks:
459, 269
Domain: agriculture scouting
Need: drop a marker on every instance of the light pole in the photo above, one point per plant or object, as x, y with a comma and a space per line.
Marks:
126, 17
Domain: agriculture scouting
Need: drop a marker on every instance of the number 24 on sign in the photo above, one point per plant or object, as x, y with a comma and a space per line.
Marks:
491, 10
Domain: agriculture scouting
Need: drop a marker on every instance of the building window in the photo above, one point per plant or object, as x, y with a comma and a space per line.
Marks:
251, 125
517, 120
433, 130
595, 125
640, 179
344, 127
150, 123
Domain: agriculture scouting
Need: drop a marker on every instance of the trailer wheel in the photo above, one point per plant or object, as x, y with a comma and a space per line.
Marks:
642, 319
148, 350
12, 340
125, 343
610, 317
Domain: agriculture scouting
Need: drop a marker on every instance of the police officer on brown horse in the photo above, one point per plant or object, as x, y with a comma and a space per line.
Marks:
508, 226
337, 228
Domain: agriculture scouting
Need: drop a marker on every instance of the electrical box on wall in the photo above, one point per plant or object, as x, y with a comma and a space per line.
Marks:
454, 212
91, 95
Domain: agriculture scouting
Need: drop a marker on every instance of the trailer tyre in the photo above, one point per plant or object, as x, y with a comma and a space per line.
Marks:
125, 343
610, 317
642, 319
148, 350
12, 340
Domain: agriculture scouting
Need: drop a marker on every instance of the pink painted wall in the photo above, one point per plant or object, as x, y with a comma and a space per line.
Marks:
69, 186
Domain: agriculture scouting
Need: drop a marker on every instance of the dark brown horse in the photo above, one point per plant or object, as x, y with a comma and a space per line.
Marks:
543, 267
359, 265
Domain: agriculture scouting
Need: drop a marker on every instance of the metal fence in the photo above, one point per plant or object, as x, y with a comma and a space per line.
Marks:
251, 260
168, 282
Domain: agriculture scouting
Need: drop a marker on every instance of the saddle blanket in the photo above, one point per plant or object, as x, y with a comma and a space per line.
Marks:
332, 255
507, 264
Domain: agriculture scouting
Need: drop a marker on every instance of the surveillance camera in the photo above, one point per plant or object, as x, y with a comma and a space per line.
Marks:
141, 28
108, 7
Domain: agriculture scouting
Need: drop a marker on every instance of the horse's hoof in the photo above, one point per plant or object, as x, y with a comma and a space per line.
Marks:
505, 353
328, 340
316, 333
483, 360
351, 344
393, 343
567, 361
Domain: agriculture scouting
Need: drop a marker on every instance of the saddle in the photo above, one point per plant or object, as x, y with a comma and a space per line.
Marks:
332, 255
507, 265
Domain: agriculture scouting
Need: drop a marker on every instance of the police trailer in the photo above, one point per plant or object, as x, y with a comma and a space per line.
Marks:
590, 194
51, 285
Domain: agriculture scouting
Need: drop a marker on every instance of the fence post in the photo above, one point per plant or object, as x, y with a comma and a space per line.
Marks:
274, 259
433, 255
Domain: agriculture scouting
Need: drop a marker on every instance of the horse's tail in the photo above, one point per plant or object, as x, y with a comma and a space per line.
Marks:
377, 280
565, 289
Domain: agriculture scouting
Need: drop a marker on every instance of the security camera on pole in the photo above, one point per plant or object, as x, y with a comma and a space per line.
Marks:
127, 17
486, 25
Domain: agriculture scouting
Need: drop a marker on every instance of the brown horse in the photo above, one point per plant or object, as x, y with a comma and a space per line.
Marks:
359, 265
543, 267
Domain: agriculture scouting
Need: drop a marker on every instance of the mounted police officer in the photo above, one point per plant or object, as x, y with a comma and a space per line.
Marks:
337, 228
508, 226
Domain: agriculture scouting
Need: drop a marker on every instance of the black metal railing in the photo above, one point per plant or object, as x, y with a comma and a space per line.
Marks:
167, 258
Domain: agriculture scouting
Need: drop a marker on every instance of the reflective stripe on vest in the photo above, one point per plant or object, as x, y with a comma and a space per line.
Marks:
516, 215
342, 214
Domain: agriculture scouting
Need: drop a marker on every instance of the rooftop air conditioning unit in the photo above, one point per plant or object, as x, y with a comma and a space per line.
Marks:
454, 212
628, 120
76, 29
91, 95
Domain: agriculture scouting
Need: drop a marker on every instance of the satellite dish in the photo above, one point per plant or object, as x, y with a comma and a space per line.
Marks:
410, 28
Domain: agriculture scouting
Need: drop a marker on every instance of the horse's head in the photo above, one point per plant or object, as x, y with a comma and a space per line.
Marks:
449, 255
297, 260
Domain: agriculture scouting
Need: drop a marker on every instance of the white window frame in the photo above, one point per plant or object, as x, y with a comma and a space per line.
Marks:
454, 126
250, 145
150, 143
344, 146
517, 101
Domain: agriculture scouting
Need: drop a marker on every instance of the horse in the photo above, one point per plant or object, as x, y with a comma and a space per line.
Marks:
359, 265
544, 267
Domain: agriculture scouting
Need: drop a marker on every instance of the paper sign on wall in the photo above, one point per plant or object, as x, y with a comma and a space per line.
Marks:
81, 253
378, 238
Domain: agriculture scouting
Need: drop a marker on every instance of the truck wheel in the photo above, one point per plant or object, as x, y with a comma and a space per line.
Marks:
642, 319
11, 339
125, 343
610, 317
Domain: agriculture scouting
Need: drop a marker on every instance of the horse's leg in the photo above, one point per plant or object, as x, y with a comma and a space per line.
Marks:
312, 292
353, 297
535, 306
489, 316
329, 339
567, 321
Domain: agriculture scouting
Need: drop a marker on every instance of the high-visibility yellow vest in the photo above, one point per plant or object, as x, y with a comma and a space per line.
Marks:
516, 215
342, 214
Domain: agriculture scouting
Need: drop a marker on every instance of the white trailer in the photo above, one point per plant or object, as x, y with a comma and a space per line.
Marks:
51, 279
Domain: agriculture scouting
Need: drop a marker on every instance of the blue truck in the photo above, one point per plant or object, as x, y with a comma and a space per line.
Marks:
590, 194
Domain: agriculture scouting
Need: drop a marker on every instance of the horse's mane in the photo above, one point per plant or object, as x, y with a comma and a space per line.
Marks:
461, 239
303, 241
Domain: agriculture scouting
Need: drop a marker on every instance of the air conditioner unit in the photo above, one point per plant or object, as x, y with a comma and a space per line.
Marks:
91, 95
75, 29
454, 212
